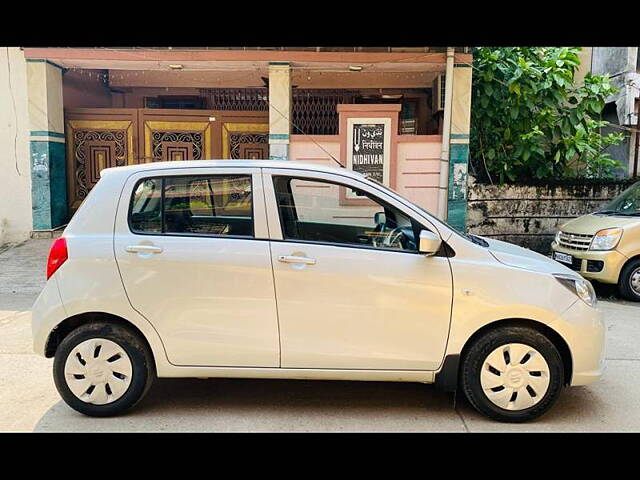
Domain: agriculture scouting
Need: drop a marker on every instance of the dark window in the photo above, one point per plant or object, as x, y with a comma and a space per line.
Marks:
175, 101
208, 205
146, 206
320, 211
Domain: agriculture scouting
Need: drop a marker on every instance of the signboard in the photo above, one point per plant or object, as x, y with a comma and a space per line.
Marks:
367, 156
368, 148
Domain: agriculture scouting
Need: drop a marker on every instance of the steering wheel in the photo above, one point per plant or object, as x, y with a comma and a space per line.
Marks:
393, 239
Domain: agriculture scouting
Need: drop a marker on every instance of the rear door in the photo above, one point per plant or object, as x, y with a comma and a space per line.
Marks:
192, 249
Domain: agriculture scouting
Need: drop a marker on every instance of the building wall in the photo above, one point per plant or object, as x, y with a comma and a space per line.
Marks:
621, 64
15, 171
623, 151
613, 60
530, 216
319, 149
585, 65
38, 92
85, 89
417, 167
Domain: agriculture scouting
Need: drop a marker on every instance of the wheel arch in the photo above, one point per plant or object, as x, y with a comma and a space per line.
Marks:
448, 377
625, 264
64, 328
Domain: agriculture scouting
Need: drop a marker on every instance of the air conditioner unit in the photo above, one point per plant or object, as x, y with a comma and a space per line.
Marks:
437, 98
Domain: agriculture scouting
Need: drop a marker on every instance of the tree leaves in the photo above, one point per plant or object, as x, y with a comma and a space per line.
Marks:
529, 120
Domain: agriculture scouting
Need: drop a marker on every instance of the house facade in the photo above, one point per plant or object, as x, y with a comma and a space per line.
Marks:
622, 110
398, 115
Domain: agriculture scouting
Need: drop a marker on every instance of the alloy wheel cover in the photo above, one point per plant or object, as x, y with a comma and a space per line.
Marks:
515, 376
634, 281
98, 371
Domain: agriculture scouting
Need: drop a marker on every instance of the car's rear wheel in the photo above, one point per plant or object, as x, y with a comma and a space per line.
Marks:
512, 374
629, 283
102, 369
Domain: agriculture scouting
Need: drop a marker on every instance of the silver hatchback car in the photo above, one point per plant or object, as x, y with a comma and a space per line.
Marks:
265, 269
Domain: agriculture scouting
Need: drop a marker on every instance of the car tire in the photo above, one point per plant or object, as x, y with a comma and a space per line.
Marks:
539, 368
102, 369
629, 282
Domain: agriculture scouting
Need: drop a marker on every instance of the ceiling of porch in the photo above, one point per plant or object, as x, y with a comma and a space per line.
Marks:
245, 68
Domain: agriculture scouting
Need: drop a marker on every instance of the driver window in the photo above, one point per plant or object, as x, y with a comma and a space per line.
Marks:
316, 211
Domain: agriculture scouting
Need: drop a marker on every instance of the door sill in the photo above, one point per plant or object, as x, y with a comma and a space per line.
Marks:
422, 376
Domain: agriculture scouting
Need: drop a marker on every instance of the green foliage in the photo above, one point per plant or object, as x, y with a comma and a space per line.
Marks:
529, 120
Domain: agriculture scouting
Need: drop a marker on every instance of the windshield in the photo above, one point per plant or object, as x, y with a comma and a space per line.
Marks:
627, 203
467, 236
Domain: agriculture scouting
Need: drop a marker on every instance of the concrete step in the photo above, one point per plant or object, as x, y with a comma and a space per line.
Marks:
47, 233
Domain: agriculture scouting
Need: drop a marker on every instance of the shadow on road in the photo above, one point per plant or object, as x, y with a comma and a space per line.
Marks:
606, 291
296, 405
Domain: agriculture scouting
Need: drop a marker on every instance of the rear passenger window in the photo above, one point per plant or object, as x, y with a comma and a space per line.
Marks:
146, 206
206, 205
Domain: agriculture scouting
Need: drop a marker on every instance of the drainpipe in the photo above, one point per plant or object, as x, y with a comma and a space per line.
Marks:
443, 191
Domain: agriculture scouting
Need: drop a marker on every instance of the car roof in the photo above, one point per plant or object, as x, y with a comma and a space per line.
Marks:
235, 163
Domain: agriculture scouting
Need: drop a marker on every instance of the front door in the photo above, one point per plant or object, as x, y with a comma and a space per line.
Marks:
352, 290
192, 252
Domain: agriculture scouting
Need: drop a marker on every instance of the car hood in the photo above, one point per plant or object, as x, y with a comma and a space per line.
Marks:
515, 256
590, 224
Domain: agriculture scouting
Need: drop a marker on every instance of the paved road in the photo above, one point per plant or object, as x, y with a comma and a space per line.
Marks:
29, 401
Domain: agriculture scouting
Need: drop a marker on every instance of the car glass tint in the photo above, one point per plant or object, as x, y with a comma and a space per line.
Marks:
326, 212
146, 208
627, 203
215, 205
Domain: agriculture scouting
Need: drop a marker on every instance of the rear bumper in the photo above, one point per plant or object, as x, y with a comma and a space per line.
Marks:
584, 331
47, 312
613, 261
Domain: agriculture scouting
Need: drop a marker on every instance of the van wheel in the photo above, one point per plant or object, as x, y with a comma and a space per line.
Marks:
512, 374
102, 369
629, 283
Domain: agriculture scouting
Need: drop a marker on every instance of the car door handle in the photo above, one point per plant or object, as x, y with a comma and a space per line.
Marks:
143, 249
296, 259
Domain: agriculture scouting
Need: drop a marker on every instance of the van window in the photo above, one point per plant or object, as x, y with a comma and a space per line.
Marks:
205, 205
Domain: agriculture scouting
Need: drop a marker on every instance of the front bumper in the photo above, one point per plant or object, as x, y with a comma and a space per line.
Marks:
613, 261
584, 331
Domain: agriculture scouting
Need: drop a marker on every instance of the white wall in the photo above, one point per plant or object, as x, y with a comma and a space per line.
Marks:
15, 171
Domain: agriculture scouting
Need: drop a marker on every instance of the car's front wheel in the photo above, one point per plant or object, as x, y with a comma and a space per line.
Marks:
629, 283
102, 369
512, 374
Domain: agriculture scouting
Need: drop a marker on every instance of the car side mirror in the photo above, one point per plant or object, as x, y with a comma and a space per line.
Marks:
380, 218
429, 242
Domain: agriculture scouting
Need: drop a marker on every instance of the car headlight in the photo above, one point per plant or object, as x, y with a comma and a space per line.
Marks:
558, 237
606, 239
578, 285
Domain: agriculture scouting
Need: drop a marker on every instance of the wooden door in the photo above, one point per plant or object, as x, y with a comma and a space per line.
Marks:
202, 134
245, 135
169, 134
99, 138
95, 139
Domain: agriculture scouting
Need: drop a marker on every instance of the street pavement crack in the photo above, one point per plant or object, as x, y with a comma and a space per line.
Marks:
455, 407
464, 424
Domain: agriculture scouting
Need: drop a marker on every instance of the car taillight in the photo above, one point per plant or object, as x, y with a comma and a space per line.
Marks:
57, 255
